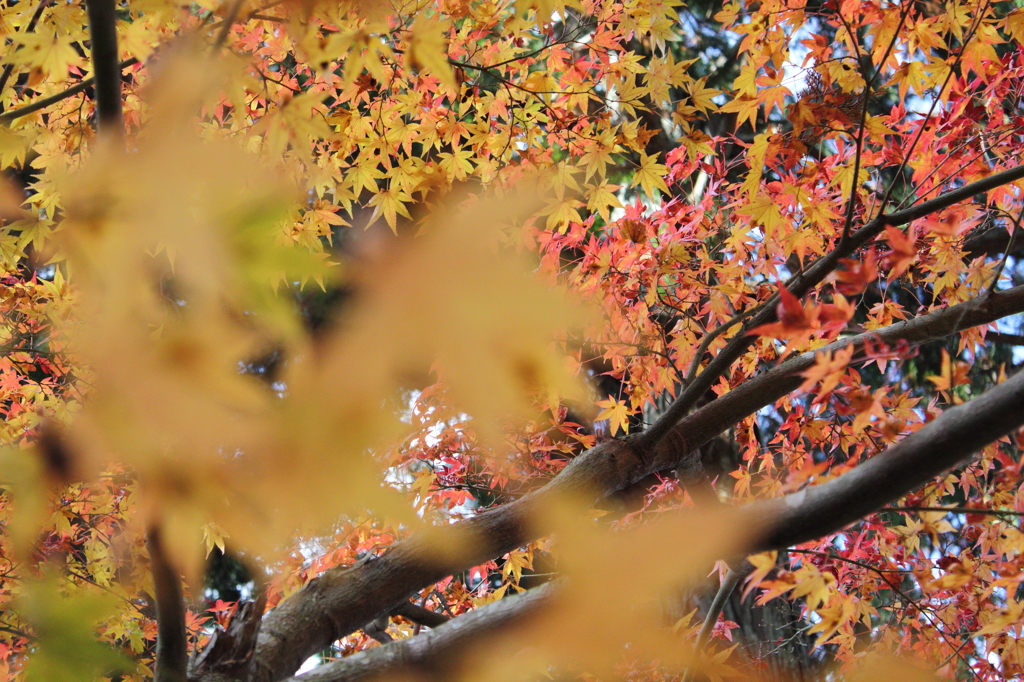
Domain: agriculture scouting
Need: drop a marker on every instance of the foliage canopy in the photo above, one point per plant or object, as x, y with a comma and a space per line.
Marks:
463, 339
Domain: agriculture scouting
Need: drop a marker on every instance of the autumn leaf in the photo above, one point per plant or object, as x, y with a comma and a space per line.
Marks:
903, 253
856, 275
429, 50
650, 175
828, 369
951, 374
795, 320
617, 413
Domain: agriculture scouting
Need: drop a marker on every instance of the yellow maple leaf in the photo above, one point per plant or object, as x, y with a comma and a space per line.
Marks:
600, 199
617, 413
745, 107
764, 212
650, 175
840, 612
390, 203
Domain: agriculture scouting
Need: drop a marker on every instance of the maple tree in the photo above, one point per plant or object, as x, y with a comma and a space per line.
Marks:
483, 339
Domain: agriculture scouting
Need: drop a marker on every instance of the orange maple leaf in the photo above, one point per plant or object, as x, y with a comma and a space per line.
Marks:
903, 253
797, 321
856, 275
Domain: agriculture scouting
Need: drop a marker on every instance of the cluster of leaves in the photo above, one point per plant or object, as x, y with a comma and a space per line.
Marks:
446, 182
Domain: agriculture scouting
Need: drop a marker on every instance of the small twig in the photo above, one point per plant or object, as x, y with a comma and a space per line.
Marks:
16, 632
60, 96
852, 201
903, 595
931, 110
955, 510
714, 334
854, 562
1007, 252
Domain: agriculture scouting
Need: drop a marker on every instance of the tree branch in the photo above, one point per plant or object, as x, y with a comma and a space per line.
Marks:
800, 285
1008, 339
229, 653
725, 590
103, 39
171, 644
342, 600
938, 446
799, 517
435, 655
420, 615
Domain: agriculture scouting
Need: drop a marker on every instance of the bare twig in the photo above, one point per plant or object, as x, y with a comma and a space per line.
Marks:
1007, 252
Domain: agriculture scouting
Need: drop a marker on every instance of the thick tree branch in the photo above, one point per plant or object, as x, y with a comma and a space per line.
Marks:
228, 656
799, 517
800, 285
1008, 339
434, 655
343, 600
103, 40
171, 644
937, 447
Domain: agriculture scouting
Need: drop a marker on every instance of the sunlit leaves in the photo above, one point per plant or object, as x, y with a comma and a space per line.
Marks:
649, 175
617, 413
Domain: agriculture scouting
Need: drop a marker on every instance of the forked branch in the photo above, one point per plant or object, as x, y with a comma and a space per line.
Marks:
342, 600
947, 441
